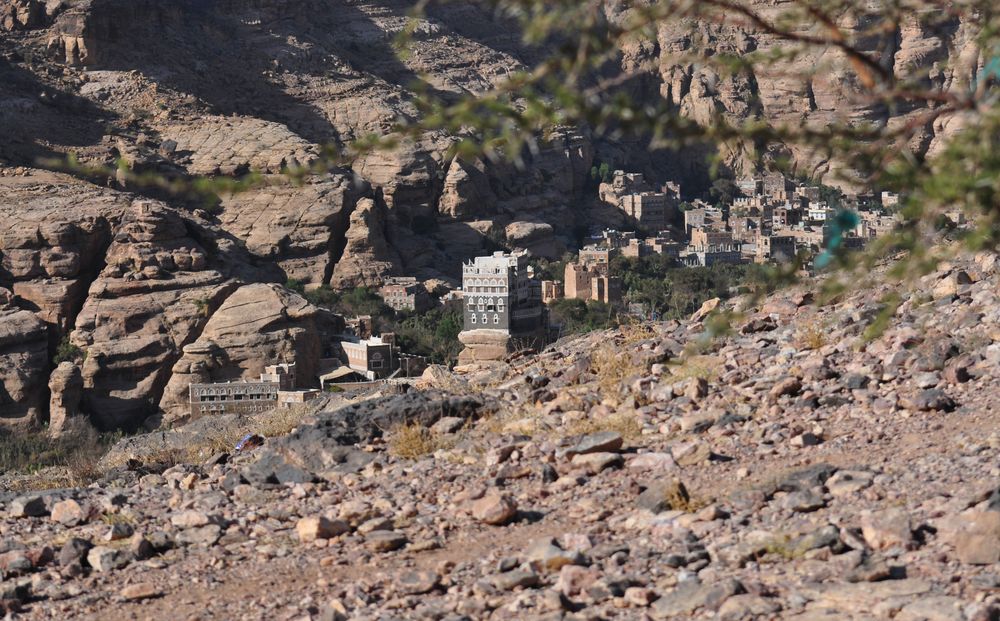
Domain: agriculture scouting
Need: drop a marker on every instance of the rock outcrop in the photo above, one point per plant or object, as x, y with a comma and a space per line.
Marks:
367, 258
66, 391
537, 238
154, 296
23, 367
258, 325
301, 228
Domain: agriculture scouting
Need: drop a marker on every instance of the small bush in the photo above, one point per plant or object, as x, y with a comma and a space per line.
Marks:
67, 352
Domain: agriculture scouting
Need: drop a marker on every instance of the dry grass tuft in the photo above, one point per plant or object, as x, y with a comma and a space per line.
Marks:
813, 336
698, 366
634, 331
625, 424
413, 441
613, 368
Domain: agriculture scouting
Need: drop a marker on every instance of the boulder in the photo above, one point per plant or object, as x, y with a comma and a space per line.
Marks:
65, 390
258, 325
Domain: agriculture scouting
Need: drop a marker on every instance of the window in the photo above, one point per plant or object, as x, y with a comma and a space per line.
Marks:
376, 364
484, 318
496, 318
473, 318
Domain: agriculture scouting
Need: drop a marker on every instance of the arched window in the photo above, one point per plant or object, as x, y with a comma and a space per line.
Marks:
496, 318
473, 318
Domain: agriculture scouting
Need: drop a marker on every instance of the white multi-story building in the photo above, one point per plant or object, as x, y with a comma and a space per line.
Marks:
499, 294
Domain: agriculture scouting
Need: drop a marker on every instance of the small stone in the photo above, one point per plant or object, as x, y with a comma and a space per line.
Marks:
932, 399
27, 506
663, 496
447, 424
789, 386
848, 482
15, 562
140, 547
142, 590
593, 463
190, 519
691, 453
803, 502
747, 607
574, 580
546, 554
310, 529
207, 535
887, 529
385, 540
68, 513
639, 597
806, 439
510, 580
660, 462
73, 550
604, 442
104, 559
691, 596
118, 531
978, 540
417, 582
494, 508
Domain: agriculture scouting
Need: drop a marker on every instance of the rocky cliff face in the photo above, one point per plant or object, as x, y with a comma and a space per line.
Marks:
133, 276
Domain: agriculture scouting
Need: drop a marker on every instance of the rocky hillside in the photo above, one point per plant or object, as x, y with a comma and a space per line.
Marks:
133, 276
794, 469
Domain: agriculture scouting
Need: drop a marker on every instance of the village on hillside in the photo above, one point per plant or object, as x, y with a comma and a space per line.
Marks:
503, 303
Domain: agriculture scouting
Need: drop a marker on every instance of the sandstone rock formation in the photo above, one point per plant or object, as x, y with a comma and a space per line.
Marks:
484, 346
153, 297
301, 228
66, 391
54, 232
258, 325
535, 237
367, 258
229, 146
23, 367
466, 191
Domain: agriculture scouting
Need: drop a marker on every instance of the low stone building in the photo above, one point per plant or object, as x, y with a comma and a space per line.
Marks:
404, 293
552, 290
591, 282
372, 357
275, 387
707, 256
778, 248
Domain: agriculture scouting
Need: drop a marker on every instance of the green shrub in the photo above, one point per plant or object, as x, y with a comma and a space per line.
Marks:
67, 352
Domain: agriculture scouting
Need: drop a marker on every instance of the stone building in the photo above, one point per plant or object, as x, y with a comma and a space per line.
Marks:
703, 217
276, 387
776, 186
710, 237
404, 293
706, 256
786, 216
611, 238
500, 295
648, 210
597, 255
373, 357
591, 282
779, 248
552, 290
